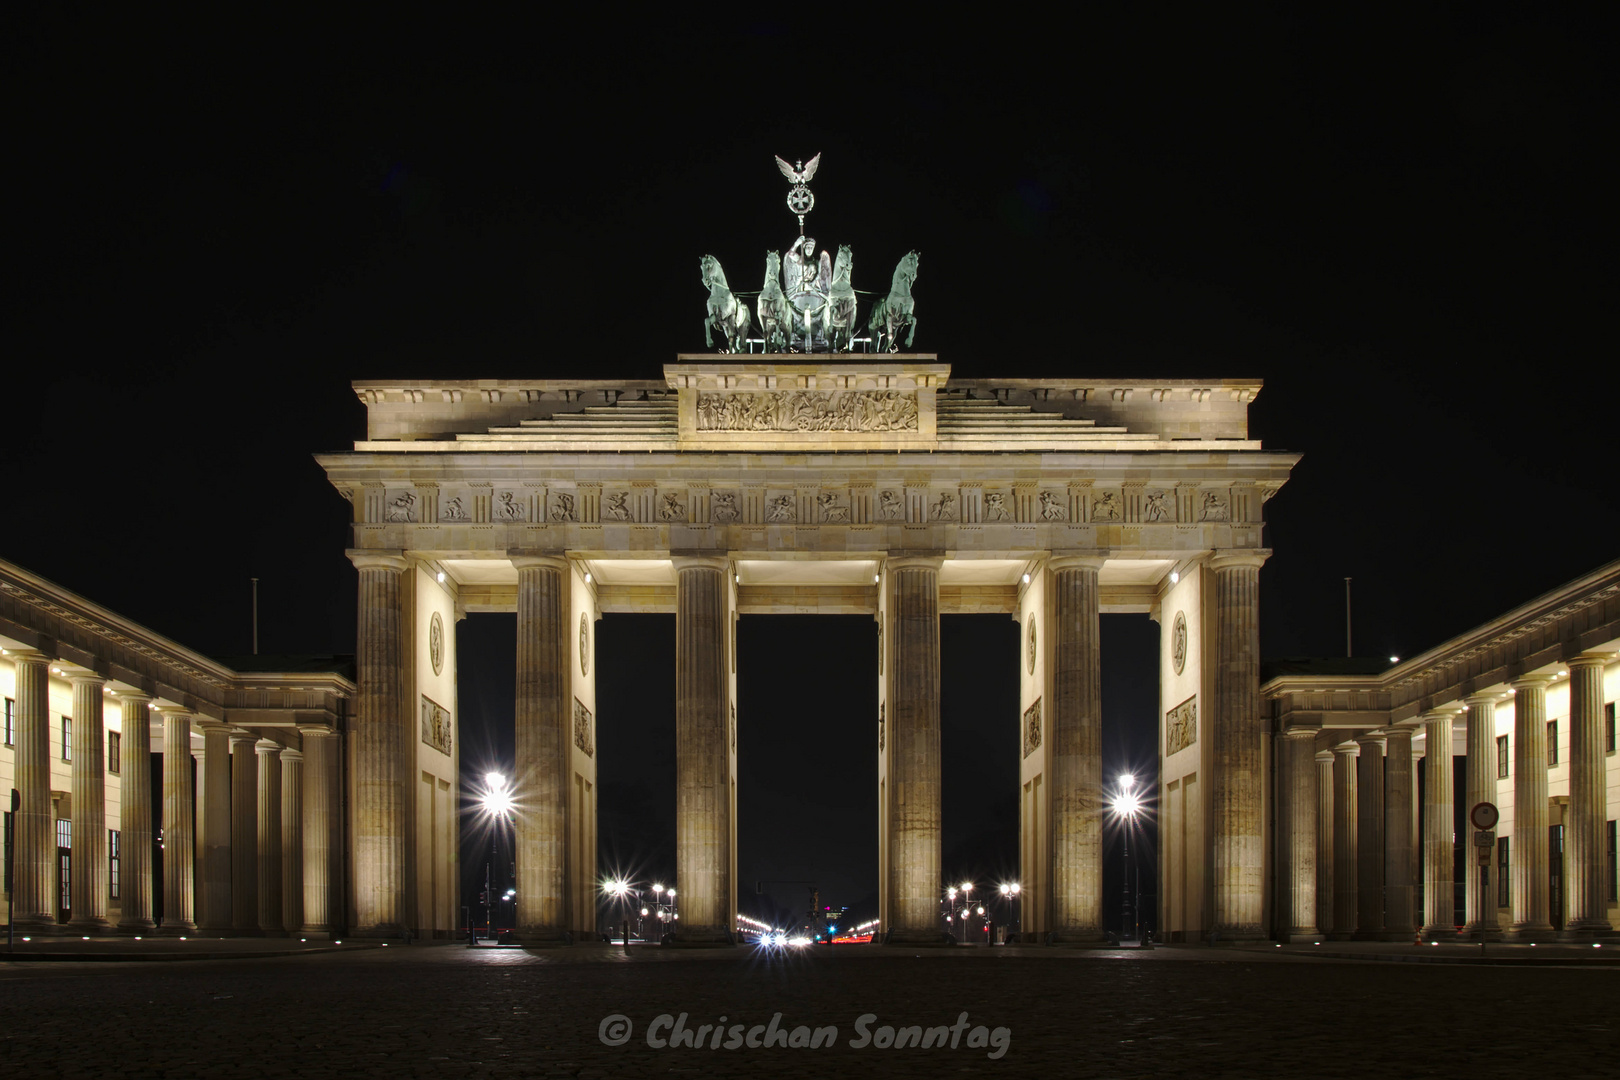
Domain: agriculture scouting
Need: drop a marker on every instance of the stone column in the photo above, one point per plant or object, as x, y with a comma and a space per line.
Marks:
1438, 827
383, 737
1298, 800
1237, 818
216, 914
1370, 837
1480, 894
1531, 903
244, 834
33, 900
88, 888
270, 921
1585, 859
1324, 842
542, 745
1398, 832
1075, 751
1419, 901
1346, 861
322, 896
702, 763
292, 841
135, 814
179, 848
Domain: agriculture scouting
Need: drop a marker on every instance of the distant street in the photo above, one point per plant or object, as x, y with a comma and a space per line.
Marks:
448, 1011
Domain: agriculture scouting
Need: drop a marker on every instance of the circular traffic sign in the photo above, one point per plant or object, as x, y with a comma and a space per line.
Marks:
1484, 816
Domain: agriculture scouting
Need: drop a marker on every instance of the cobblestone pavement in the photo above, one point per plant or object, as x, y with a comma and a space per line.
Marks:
453, 1012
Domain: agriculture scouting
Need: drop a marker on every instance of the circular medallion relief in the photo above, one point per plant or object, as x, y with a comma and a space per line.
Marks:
584, 644
1178, 642
436, 643
1032, 644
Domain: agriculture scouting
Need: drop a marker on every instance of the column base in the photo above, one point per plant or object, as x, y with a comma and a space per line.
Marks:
1339, 935
93, 927
136, 926
1237, 935
1307, 936
1375, 934
1528, 933
1591, 931
911, 938
1394, 933
172, 929
38, 924
1439, 933
702, 937
319, 932
380, 931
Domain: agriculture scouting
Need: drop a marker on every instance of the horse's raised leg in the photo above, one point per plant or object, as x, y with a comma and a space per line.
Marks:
708, 342
911, 333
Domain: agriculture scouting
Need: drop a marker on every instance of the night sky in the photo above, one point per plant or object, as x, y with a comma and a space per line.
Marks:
1406, 229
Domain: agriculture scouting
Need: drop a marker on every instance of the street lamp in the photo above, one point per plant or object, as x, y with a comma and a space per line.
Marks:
496, 803
1009, 893
1126, 805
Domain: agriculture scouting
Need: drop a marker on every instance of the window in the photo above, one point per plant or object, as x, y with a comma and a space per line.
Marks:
11, 721
1552, 742
64, 859
112, 863
67, 738
1503, 898
1501, 757
1614, 879
1608, 726
112, 755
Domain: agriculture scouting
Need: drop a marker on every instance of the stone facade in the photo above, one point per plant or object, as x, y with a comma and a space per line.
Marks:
769, 484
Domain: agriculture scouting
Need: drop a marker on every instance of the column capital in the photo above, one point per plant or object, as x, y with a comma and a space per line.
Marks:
315, 731
289, 754
1534, 681
208, 726
29, 656
1589, 660
1324, 757
1301, 732
1398, 732
539, 562
913, 562
175, 712
377, 560
1231, 558
1348, 749
133, 698
1062, 561
718, 563
1371, 739
1474, 701
267, 747
80, 676
242, 738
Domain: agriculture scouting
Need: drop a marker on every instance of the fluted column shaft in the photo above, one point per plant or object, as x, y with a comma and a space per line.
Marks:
383, 737
270, 921
135, 814
1480, 894
1398, 832
1297, 800
179, 848
321, 849
1587, 861
32, 894
1370, 838
88, 888
1438, 827
1346, 862
1075, 756
244, 834
1418, 894
542, 750
292, 841
1531, 902
214, 881
1324, 841
1237, 803
702, 764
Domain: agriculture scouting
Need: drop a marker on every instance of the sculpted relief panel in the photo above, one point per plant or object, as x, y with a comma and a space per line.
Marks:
808, 410
1181, 726
1032, 728
435, 725
582, 729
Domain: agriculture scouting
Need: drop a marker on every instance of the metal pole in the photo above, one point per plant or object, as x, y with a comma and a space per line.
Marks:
255, 616
1125, 922
1347, 651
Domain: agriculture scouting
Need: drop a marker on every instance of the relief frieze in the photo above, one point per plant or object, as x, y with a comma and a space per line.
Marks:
808, 410
1181, 726
436, 731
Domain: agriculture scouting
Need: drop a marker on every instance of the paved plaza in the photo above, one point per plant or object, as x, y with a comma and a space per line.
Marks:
451, 1011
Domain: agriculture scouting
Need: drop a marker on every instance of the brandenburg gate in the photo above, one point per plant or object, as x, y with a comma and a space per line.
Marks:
796, 482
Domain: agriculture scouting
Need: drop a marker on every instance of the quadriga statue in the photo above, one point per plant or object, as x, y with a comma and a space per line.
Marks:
841, 321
